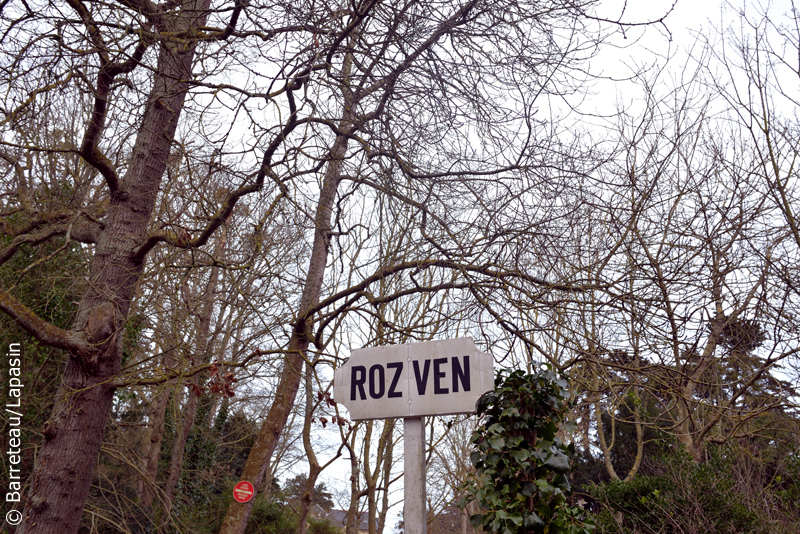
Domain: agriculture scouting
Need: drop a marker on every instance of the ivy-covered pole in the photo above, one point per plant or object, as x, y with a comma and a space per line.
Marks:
520, 480
415, 505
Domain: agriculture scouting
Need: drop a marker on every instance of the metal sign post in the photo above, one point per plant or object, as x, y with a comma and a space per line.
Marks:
415, 509
413, 381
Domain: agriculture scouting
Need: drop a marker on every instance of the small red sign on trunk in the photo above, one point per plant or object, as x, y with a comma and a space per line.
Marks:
243, 491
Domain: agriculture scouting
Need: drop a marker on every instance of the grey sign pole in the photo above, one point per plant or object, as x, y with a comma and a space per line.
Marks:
415, 510
412, 381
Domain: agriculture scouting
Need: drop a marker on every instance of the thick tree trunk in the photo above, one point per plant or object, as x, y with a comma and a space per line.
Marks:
66, 461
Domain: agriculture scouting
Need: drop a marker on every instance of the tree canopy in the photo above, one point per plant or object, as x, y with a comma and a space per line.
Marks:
206, 205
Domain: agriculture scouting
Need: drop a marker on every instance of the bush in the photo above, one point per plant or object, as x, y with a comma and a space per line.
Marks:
683, 497
321, 526
521, 481
270, 517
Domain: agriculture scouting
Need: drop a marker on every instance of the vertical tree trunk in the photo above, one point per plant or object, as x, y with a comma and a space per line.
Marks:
305, 501
199, 355
355, 494
73, 434
152, 455
605, 448
147, 487
147, 483
258, 460
384, 448
313, 465
387, 476
688, 435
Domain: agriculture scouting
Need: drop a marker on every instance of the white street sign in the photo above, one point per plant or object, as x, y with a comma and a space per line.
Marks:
412, 380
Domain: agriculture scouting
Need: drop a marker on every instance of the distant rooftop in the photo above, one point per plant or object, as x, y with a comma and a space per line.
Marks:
339, 518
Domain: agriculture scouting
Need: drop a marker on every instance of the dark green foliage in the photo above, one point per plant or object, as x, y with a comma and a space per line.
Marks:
295, 487
270, 517
198, 476
787, 484
623, 432
685, 497
321, 526
236, 440
47, 287
521, 482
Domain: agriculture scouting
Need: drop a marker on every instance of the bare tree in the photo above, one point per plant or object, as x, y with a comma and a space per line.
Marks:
154, 47
406, 59
155, 123
691, 337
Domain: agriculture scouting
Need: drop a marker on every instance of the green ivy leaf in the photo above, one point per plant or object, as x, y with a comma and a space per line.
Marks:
533, 521
521, 456
475, 457
496, 442
570, 426
529, 489
514, 441
521, 466
544, 486
558, 462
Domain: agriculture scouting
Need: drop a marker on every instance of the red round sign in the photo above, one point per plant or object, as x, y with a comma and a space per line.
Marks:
243, 491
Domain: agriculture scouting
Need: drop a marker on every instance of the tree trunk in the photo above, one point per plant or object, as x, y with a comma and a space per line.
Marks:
147, 486
355, 494
147, 483
258, 460
72, 436
387, 476
314, 468
384, 448
305, 502
178, 447
202, 334
605, 448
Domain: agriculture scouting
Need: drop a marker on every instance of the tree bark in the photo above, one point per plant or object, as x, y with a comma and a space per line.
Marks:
147, 483
305, 502
384, 449
351, 519
387, 476
314, 468
73, 434
258, 460
200, 355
